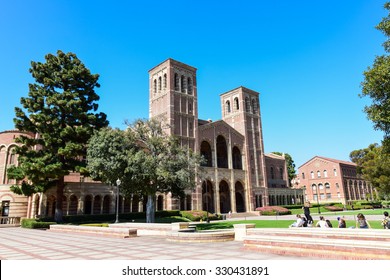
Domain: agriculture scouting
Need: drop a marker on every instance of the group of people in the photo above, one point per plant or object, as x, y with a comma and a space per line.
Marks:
307, 221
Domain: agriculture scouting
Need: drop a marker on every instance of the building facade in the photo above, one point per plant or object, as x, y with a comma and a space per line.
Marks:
331, 180
238, 175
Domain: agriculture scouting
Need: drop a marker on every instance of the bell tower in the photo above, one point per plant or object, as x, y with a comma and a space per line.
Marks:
241, 110
173, 99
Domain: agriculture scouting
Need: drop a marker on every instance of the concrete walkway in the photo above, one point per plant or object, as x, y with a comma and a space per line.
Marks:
29, 244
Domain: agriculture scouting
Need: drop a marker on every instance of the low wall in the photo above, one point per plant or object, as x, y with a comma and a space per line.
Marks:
91, 230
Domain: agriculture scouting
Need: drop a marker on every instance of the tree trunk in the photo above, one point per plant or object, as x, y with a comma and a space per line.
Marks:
58, 216
150, 209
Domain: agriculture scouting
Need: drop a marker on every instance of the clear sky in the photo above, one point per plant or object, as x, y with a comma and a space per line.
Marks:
306, 58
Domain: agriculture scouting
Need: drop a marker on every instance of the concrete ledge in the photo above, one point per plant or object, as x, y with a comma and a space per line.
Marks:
204, 236
349, 244
240, 230
144, 229
102, 231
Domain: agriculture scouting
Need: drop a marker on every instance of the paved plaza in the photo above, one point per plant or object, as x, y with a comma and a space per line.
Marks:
27, 244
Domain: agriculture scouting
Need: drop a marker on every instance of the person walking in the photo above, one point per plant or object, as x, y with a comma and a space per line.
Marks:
306, 212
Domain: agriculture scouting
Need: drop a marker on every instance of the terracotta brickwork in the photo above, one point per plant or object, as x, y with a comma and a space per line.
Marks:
332, 180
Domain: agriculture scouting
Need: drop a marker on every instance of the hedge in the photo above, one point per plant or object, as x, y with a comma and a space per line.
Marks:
273, 210
35, 224
196, 216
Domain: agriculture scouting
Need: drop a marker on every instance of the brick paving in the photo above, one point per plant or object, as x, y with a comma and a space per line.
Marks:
28, 244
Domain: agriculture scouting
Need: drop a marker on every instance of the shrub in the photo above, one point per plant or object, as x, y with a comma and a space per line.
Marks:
385, 203
296, 206
35, 224
273, 210
333, 208
196, 216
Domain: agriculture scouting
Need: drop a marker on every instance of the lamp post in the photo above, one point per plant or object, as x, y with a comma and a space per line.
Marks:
118, 183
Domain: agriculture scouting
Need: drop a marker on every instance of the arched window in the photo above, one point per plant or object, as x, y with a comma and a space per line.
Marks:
318, 174
205, 151
182, 84
227, 106
189, 85
159, 83
325, 173
236, 104
222, 155
155, 86
165, 81
335, 172
189, 107
312, 174
281, 172
177, 82
272, 173
237, 159
247, 104
254, 106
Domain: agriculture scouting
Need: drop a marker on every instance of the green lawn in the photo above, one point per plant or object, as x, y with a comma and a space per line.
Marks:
314, 211
271, 224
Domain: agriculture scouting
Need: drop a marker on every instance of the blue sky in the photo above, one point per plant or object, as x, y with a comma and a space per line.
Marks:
306, 58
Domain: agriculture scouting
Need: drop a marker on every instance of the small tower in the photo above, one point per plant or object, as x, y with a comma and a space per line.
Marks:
241, 110
173, 99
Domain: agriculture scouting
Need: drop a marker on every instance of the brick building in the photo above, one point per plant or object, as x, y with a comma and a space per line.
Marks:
331, 180
238, 175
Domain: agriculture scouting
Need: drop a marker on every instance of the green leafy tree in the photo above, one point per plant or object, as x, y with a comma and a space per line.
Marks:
376, 85
145, 159
60, 111
374, 165
290, 166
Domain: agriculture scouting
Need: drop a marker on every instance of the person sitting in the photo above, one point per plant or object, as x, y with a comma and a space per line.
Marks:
342, 223
361, 221
386, 220
322, 223
299, 222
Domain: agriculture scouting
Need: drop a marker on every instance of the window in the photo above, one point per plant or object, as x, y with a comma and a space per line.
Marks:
319, 174
272, 173
182, 84
236, 104
159, 83
281, 172
314, 197
189, 108
325, 173
228, 106
189, 85
254, 107
176, 82
155, 86
312, 174
247, 104
165, 81
328, 195
321, 186
335, 172
303, 175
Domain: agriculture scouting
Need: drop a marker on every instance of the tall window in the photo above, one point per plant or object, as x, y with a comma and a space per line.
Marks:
222, 154
325, 173
237, 162
312, 174
189, 85
254, 106
182, 84
319, 174
236, 104
272, 173
165, 81
303, 175
177, 81
281, 172
155, 86
335, 172
228, 106
159, 83
247, 104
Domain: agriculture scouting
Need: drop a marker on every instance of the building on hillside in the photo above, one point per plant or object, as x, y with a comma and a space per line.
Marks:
331, 180
238, 175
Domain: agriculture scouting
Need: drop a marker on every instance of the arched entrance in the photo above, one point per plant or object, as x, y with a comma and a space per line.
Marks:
207, 196
160, 203
222, 155
205, 151
240, 197
88, 205
224, 197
